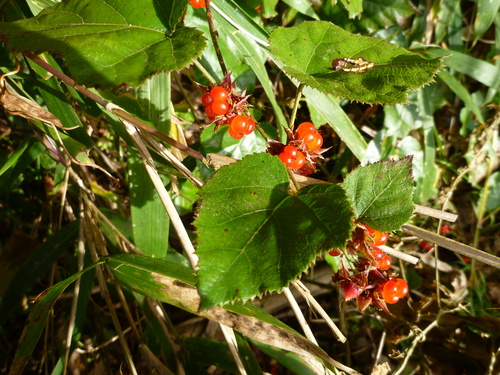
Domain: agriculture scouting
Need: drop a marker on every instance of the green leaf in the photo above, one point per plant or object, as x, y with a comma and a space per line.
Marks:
487, 10
250, 226
382, 193
308, 49
381, 14
35, 267
37, 320
109, 42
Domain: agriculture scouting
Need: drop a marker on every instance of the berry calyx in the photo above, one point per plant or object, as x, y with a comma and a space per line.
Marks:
198, 3
219, 93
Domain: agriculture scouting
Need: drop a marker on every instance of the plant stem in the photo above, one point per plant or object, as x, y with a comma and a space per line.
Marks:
117, 111
296, 105
213, 35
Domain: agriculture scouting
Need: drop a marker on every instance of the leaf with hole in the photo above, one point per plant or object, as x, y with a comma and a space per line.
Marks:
308, 50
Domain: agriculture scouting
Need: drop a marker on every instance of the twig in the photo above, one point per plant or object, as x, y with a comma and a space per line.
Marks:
296, 105
400, 255
213, 35
121, 113
233, 347
452, 245
437, 214
302, 289
163, 194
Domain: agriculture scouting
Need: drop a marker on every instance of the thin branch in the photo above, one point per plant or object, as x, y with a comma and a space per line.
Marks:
213, 35
120, 112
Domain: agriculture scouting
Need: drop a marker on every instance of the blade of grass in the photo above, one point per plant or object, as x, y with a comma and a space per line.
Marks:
481, 71
461, 92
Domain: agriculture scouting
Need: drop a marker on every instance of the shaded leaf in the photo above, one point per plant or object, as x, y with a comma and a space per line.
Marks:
109, 42
250, 226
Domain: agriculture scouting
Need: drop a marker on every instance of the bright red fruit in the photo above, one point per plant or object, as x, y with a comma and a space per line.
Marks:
286, 159
220, 107
206, 99
234, 134
305, 126
379, 238
219, 92
240, 124
377, 253
290, 150
315, 143
210, 113
393, 290
384, 263
198, 3
299, 161
334, 252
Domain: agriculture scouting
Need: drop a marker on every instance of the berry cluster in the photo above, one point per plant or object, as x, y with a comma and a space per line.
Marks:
371, 282
302, 149
198, 3
223, 107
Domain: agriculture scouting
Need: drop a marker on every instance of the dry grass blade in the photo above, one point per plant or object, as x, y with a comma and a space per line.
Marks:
452, 245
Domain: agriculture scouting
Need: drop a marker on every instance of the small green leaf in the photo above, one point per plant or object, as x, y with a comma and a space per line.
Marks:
249, 226
381, 193
109, 42
308, 49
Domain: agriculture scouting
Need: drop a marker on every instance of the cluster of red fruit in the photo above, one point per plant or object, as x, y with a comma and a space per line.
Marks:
302, 149
197, 3
223, 107
371, 282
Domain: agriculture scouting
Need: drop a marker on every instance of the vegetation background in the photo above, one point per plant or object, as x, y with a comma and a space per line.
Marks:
64, 210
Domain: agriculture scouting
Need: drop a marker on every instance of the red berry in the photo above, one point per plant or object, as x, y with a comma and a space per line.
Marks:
286, 159
299, 161
334, 252
305, 126
377, 253
315, 143
197, 3
393, 290
290, 150
379, 238
219, 92
241, 124
307, 136
425, 245
234, 134
206, 99
210, 113
220, 107
251, 125
384, 263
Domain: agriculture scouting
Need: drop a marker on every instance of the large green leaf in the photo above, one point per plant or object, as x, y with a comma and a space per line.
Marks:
382, 193
308, 49
255, 237
109, 42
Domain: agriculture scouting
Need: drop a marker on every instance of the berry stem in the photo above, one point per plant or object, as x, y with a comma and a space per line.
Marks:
296, 105
205, 73
213, 34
